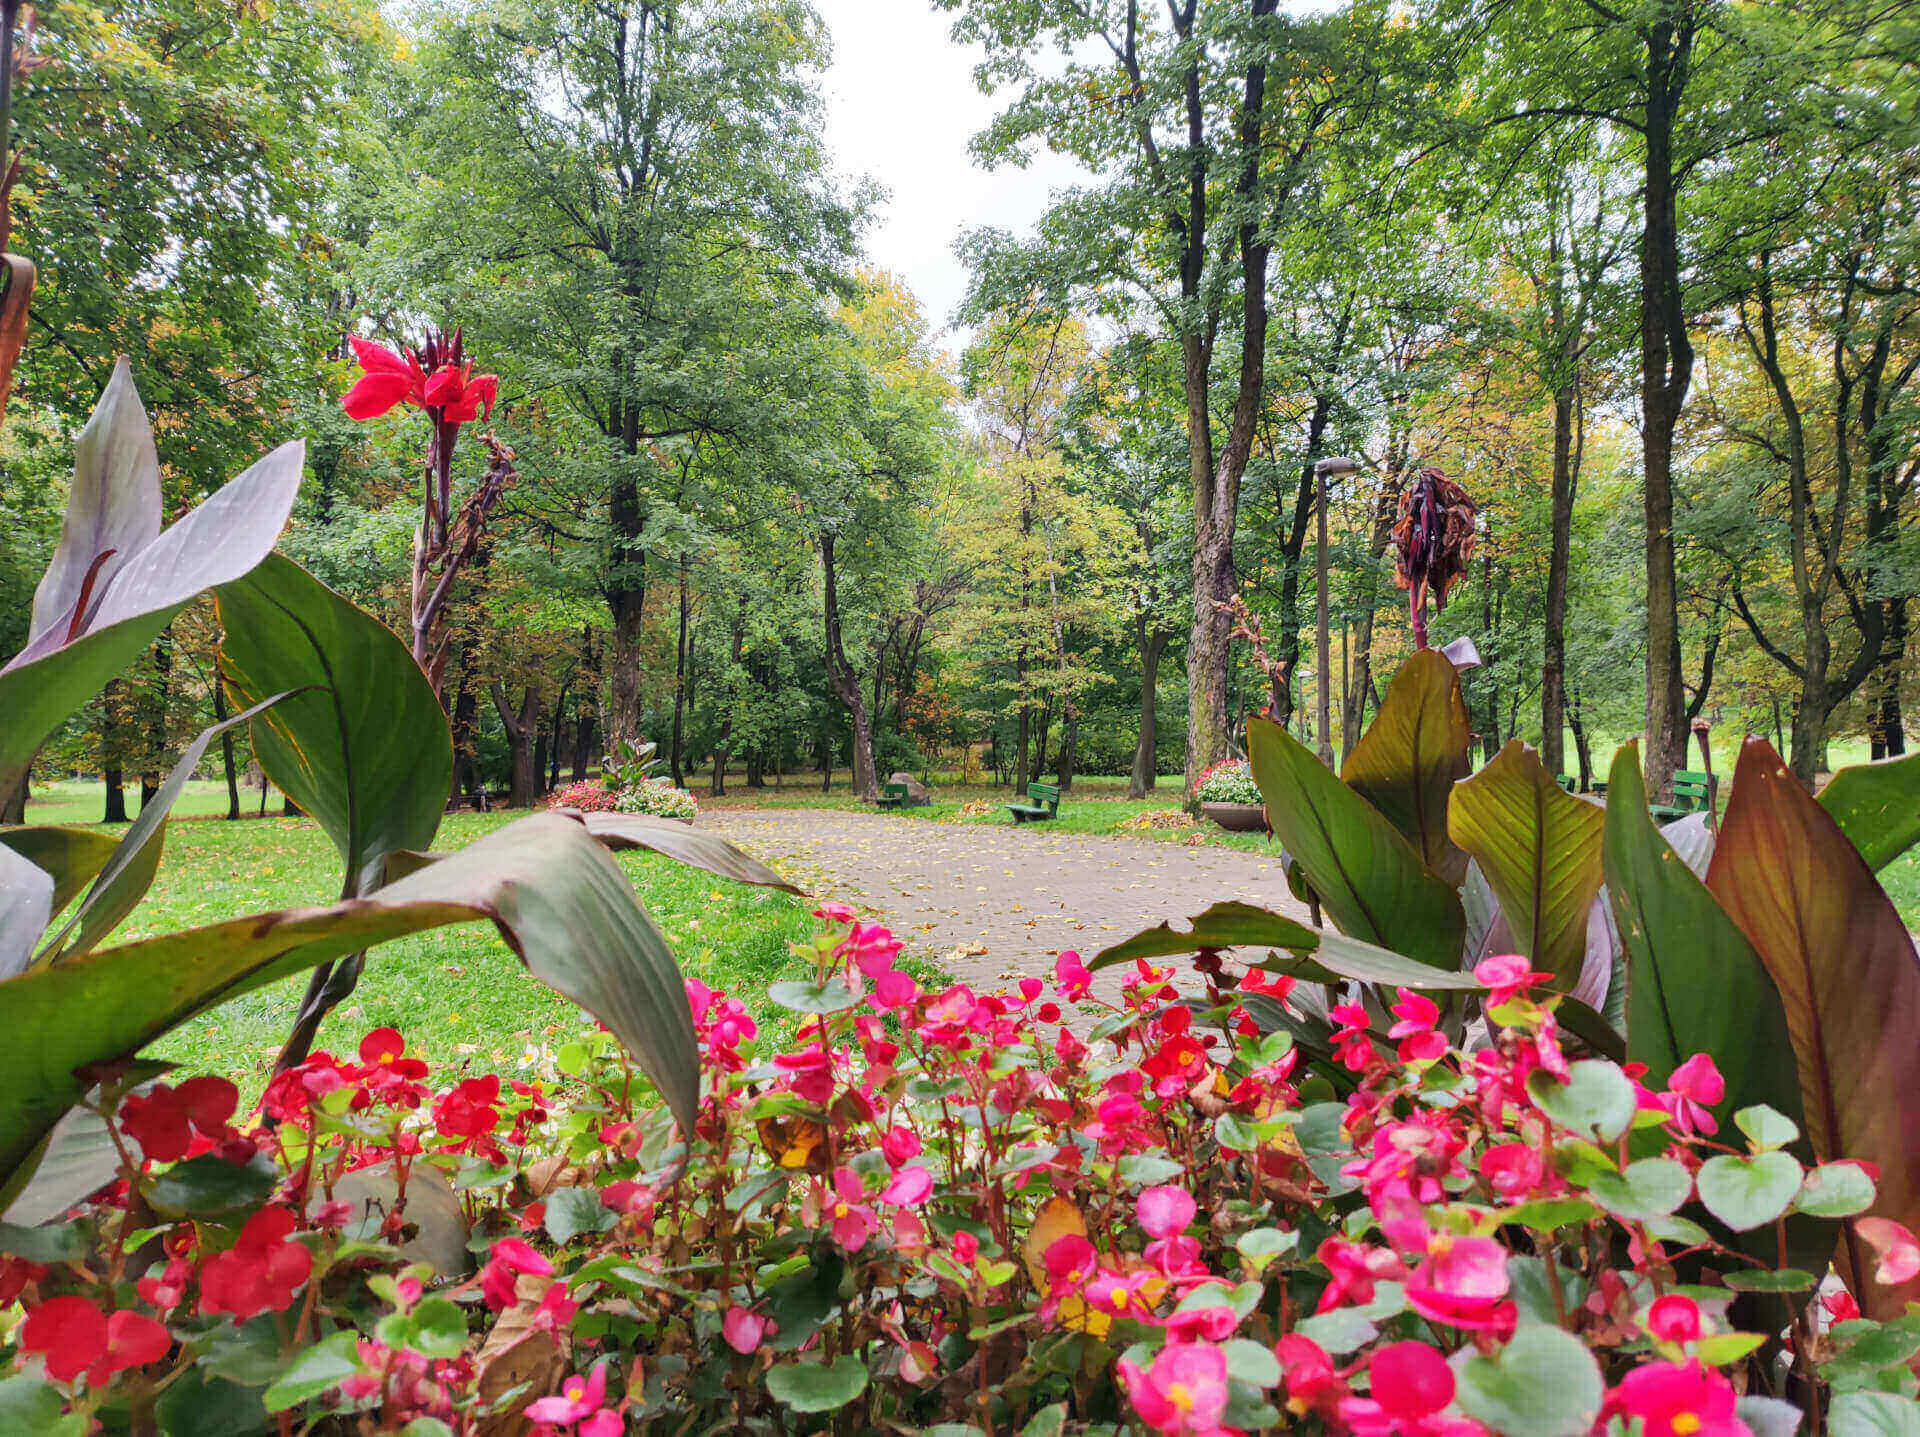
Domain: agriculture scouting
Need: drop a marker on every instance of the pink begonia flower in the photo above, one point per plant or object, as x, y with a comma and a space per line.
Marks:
1183, 1391
1508, 975
1411, 1387
634, 1198
871, 946
1202, 1324
1072, 976
910, 1187
744, 1330
894, 989
1462, 1283
966, 1247
899, 1144
1164, 1211
509, 1258
832, 912
1673, 1399
1119, 1294
1512, 1170
1696, 1085
1312, 1383
1418, 1014
1898, 1251
1350, 1042
853, 1221
1674, 1318
578, 1398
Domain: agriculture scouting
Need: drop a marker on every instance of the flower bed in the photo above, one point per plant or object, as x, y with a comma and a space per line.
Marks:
958, 1207
1229, 781
658, 797
589, 795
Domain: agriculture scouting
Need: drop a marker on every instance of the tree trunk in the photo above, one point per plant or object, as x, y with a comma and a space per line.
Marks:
463, 722
1553, 668
1666, 370
116, 808
582, 743
156, 717
1582, 753
1293, 545
675, 739
1891, 737
1216, 484
846, 683
227, 765
550, 770
521, 725
1153, 640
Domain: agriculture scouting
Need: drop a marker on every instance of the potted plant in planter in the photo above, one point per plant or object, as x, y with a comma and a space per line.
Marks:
1229, 797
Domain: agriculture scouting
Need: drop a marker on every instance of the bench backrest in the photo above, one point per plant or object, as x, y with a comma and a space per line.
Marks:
1691, 786
893, 790
1044, 793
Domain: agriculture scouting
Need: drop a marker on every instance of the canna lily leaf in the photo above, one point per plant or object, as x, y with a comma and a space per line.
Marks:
126, 875
101, 633
1342, 957
1877, 806
113, 507
1412, 754
1539, 847
557, 898
1224, 925
71, 855
682, 844
1847, 975
26, 904
363, 745
1695, 983
1369, 879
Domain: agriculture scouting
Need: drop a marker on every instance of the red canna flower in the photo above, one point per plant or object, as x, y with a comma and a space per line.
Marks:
434, 377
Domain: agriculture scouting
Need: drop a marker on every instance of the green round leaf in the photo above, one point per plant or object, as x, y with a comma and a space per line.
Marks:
1873, 1414
1544, 1383
818, 1386
1651, 1188
326, 1364
832, 996
1760, 1279
1250, 1361
1747, 1193
1339, 1331
31, 1407
209, 1184
574, 1210
1835, 1190
1766, 1127
437, 1328
1596, 1102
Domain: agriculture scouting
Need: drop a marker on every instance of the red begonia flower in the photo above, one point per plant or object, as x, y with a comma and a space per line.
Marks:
260, 1272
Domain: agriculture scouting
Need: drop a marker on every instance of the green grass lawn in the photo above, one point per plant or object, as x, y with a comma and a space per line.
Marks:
457, 993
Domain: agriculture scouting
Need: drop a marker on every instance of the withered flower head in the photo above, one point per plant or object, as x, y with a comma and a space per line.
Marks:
1432, 542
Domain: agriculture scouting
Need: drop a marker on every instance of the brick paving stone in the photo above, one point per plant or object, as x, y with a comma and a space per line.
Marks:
993, 904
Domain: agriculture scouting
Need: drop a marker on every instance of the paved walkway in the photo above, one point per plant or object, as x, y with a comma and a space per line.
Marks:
991, 903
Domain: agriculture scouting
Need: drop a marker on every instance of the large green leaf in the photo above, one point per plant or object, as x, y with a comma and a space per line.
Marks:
1341, 956
1847, 973
1877, 806
682, 844
71, 855
1539, 847
64, 666
557, 897
1225, 925
1695, 985
1369, 878
1417, 747
125, 877
365, 747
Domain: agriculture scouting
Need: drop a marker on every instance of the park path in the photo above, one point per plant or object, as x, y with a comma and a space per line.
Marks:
992, 904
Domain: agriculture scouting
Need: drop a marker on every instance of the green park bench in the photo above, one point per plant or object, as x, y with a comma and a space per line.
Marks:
892, 795
1692, 793
1044, 804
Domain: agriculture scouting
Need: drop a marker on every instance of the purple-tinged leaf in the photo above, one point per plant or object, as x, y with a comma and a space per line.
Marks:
113, 508
1848, 977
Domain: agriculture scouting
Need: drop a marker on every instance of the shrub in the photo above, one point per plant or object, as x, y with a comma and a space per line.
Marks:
1229, 781
658, 797
944, 1206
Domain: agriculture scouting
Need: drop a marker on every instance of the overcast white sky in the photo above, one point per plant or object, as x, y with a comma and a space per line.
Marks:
902, 108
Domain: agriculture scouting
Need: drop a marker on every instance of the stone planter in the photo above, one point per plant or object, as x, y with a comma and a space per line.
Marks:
1236, 817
